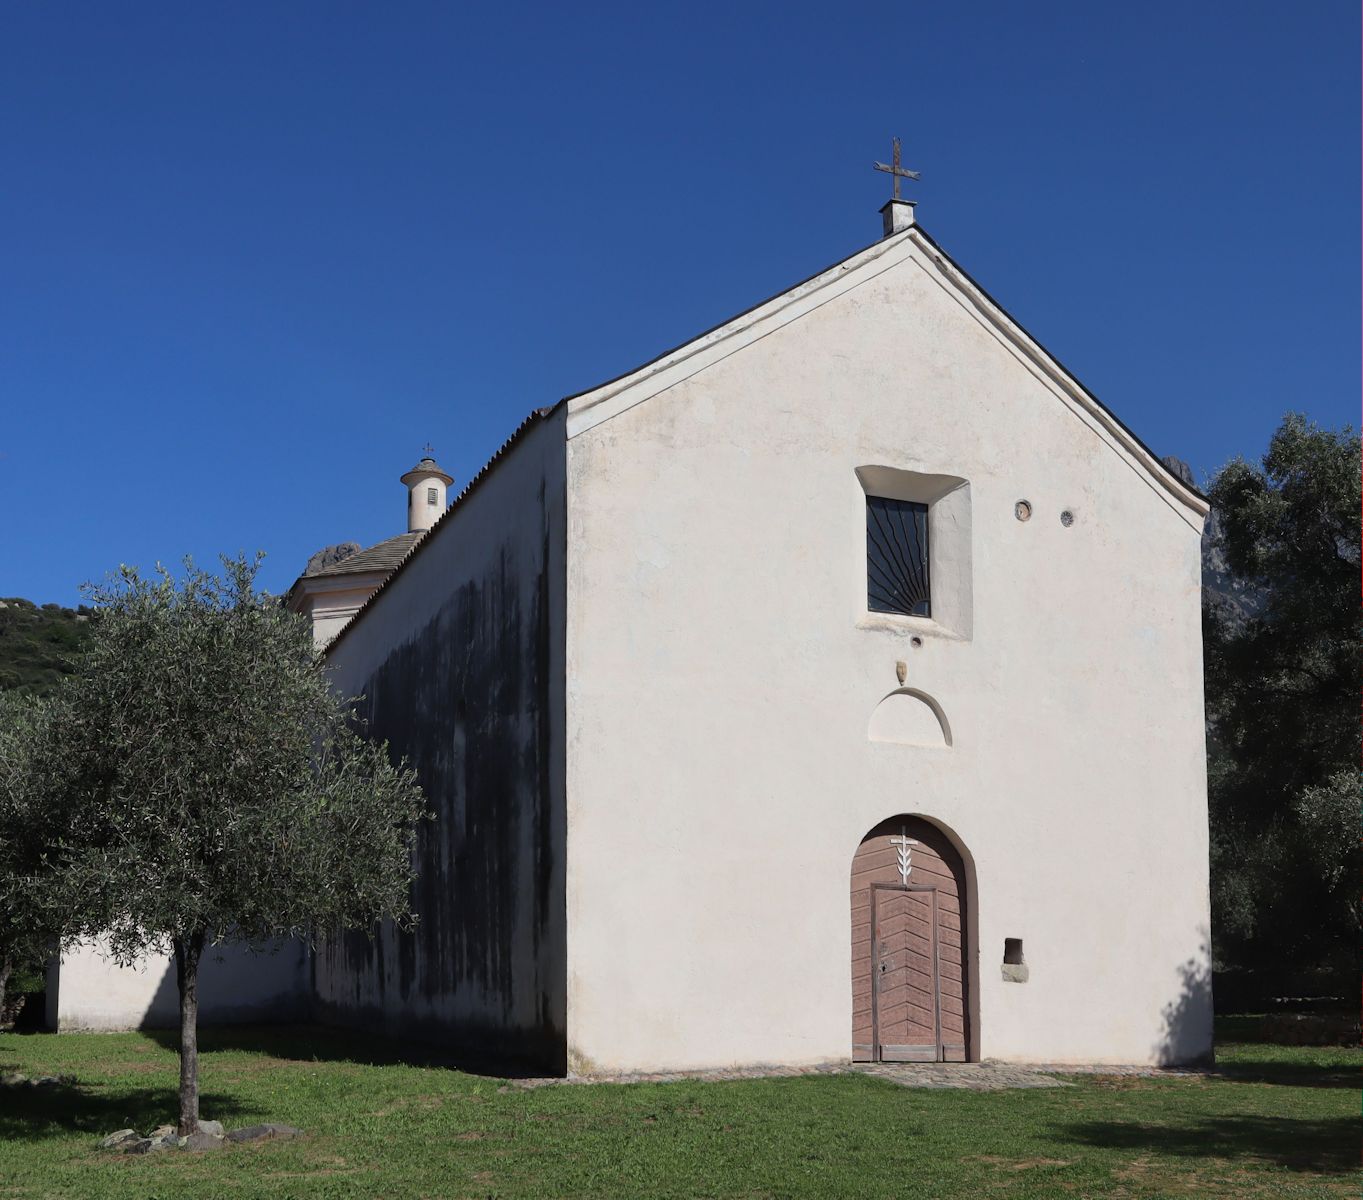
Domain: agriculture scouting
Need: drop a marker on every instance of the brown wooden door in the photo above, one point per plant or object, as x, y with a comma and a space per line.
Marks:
952, 1016
910, 960
904, 974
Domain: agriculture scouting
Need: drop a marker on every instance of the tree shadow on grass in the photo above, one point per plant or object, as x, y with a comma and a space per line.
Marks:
324, 1043
35, 1114
1290, 1074
1323, 1146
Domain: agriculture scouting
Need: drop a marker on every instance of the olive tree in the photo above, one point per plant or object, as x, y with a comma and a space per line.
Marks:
34, 903
219, 788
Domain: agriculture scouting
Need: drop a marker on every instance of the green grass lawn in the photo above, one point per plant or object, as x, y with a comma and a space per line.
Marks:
1277, 1122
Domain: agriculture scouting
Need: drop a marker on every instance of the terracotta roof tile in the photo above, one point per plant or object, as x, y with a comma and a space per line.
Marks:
383, 557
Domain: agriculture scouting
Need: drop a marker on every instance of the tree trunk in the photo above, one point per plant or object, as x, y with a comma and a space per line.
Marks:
188, 950
5, 968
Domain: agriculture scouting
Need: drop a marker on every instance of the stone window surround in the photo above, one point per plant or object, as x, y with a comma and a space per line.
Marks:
949, 550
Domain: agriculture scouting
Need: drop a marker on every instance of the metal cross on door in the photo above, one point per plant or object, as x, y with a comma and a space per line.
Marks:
903, 843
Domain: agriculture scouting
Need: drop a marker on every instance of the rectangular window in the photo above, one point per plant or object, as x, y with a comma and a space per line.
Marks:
897, 557
432, 496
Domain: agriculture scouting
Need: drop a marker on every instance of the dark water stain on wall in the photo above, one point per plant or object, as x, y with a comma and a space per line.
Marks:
468, 701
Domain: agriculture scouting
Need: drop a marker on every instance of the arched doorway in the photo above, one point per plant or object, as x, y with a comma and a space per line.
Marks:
910, 946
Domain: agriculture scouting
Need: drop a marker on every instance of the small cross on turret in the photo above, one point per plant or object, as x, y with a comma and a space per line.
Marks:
897, 213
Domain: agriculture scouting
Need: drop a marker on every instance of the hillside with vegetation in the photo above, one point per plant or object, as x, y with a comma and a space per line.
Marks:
39, 645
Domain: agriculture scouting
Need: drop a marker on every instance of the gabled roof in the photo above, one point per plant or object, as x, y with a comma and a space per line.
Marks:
589, 408
601, 403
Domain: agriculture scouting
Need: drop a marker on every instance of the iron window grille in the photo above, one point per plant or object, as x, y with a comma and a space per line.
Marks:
897, 557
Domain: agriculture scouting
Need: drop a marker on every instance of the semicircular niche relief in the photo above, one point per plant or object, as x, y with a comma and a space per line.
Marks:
909, 718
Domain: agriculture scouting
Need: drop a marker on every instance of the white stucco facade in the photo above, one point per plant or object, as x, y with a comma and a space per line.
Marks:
723, 677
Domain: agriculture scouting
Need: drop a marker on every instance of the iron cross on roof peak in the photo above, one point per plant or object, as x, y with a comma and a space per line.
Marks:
895, 170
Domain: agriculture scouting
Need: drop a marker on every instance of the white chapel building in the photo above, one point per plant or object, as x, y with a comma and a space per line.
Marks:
827, 688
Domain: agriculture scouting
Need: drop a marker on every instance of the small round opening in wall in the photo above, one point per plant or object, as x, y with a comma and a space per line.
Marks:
1022, 510
915, 641
1067, 518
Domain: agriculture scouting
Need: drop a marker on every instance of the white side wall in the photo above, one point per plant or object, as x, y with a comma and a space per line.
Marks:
459, 663
88, 990
722, 674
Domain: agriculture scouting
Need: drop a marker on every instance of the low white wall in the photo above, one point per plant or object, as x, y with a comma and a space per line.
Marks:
88, 990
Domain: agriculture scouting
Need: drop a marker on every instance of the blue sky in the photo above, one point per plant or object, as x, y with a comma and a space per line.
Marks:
253, 256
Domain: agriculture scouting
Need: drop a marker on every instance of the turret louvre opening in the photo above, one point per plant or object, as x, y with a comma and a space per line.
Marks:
426, 484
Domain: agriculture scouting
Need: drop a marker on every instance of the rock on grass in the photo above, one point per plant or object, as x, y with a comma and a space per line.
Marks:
209, 1136
115, 1140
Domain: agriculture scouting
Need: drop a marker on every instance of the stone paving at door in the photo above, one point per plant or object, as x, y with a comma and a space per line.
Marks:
978, 1077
